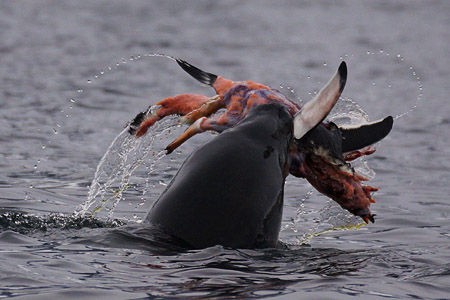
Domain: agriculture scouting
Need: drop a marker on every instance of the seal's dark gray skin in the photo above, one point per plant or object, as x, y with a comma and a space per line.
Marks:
230, 191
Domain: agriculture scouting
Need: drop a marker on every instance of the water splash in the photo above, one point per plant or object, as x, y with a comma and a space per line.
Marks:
125, 154
401, 78
315, 232
349, 112
419, 97
290, 93
71, 102
401, 75
124, 61
309, 223
102, 185
28, 223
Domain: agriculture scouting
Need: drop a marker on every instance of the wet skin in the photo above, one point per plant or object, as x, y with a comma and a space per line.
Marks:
230, 190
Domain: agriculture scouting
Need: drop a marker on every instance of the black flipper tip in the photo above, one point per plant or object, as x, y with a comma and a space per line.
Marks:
389, 122
355, 138
342, 71
134, 124
200, 75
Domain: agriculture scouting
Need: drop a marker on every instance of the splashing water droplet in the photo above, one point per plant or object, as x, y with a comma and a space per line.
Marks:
115, 170
398, 64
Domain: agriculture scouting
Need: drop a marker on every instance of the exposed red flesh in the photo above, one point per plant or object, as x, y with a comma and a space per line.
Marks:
344, 187
358, 153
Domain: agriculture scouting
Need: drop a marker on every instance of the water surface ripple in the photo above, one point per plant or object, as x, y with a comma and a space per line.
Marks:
74, 73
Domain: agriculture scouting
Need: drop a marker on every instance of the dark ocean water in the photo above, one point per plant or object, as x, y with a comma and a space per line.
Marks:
73, 73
